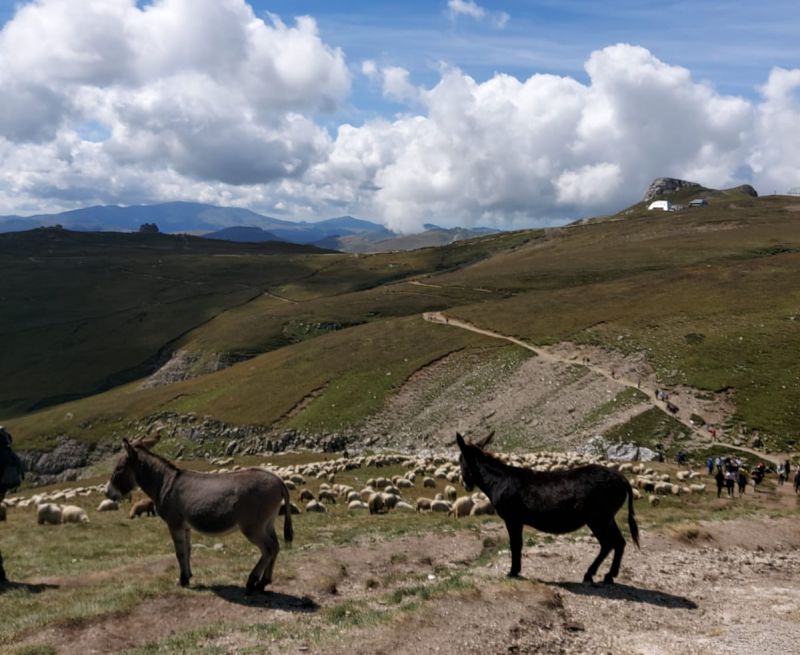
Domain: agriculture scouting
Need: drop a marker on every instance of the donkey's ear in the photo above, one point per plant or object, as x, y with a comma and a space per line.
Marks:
149, 442
460, 441
486, 440
128, 448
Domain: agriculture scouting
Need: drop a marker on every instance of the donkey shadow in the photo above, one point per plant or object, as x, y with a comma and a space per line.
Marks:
619, 591
26, 586
267, 599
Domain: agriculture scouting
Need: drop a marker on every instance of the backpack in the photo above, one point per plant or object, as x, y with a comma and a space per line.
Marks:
12, 472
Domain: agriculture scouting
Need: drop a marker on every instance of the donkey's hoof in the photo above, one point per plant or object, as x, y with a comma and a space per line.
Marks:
608, 579
587, 579
184, 581
513, 574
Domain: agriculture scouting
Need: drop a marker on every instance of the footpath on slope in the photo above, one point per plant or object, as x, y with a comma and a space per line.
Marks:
441, 319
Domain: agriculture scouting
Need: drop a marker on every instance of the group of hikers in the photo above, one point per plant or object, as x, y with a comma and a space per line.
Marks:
730, 473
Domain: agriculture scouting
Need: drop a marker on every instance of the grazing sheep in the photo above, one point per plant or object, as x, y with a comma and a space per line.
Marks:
627, 466
403, 506
144, 506
366, 492
428, 481
108, 505
327, 495
316, 506
390, 500
462, 507
306, 494
353, 495
294, 509
683, 475
450, 493
482, 508
73, 514
357, 504
697, 488
636, 493
440, 506
48, 513
439, 496
403, 483
653, 500
376, 504
423, 504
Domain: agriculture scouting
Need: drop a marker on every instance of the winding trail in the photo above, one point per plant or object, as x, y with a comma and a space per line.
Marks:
546, 355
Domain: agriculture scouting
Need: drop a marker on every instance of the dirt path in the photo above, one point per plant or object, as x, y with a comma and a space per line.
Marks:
611, 375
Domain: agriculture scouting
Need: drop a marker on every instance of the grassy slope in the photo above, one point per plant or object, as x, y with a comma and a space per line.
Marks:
116, 302
707, 293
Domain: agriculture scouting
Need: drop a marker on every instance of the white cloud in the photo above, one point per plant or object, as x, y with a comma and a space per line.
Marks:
544, 148
201, 87
472, 9
106, 101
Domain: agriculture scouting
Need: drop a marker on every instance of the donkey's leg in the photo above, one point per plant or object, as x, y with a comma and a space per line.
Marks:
188, 542
179, 539
601, 533
255, 535
515, 544
3, 578
619, 548
273, 547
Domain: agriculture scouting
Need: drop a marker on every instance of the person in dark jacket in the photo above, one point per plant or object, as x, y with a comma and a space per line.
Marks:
11, 474
720, 478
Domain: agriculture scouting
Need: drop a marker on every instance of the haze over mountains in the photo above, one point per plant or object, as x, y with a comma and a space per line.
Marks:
236, 224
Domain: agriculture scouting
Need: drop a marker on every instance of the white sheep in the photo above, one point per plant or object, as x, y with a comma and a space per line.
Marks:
450, 493
697, 488
462, 507
306, 494
653, 500
328, 495
316, 506
423, 504
48, 513
482, 508
390, 500
108, 505
73, 514
440, 506
403, 506
429, 482
357, 504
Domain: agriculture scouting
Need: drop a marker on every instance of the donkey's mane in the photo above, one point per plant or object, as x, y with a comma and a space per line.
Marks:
485, 454
157, 457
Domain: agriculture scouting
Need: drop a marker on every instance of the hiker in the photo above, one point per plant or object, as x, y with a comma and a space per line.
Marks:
729, 482
797, 480
781, 476
787, 467
710, 465
741, 479
11, 474
720, 479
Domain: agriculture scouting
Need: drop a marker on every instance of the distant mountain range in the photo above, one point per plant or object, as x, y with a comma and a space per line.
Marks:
242, 225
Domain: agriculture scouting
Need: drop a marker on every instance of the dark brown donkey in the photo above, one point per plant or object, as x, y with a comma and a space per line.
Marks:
213, 503
552, 501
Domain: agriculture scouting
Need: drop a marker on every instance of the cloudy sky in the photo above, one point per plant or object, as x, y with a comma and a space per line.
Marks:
453, 111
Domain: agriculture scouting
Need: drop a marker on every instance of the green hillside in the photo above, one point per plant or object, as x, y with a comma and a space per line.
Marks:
707, 294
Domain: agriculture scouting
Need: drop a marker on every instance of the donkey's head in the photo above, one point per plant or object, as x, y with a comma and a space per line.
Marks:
468, 457
123, 477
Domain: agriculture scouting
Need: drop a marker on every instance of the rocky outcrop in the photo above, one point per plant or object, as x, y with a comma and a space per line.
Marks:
746, 189
664, 186
185, 365
626, 452
64, 462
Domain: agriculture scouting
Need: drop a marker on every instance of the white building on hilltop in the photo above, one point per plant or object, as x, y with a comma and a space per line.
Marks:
663, 205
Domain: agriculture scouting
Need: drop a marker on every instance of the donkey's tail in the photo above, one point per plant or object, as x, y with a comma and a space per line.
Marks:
631, 518
288, 531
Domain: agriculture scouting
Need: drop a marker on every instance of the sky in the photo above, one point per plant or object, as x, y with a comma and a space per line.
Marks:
456, 112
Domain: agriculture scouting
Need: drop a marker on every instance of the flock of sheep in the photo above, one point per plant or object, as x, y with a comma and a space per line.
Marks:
379, 494
49, 511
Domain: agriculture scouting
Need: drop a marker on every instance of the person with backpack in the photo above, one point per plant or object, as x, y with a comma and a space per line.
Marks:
12, 472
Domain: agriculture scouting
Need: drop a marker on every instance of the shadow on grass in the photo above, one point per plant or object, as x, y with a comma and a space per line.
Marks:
618, 591
266, 599
30, 587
